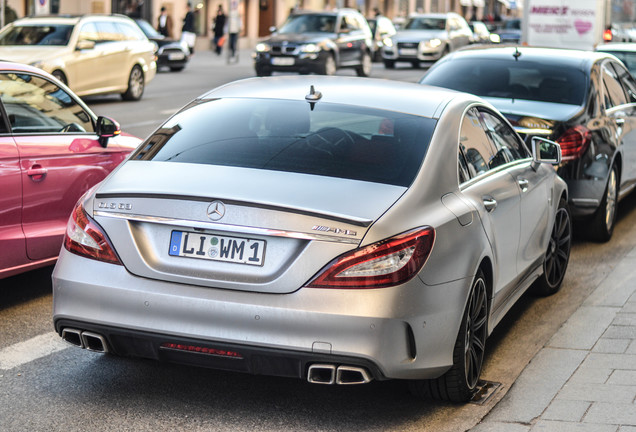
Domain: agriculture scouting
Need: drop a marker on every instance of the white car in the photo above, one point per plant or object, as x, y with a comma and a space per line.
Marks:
92, 54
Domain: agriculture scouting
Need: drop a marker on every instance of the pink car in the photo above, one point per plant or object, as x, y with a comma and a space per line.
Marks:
52, 150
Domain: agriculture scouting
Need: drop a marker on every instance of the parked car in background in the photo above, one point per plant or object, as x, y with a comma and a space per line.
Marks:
92, 54
317, 42
626, 52
481, 34
170, 53
312, 235
381, 28
510, 31
426, 38
584, 100
52, 150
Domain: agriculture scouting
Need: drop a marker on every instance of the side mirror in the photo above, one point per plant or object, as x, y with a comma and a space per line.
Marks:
545, 151
106, 128
272, 29
85, 45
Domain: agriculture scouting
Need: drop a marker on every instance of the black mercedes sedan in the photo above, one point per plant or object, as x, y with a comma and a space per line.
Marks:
170, 53
586, 101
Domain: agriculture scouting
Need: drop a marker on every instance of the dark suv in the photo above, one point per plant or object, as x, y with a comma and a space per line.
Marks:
317, 42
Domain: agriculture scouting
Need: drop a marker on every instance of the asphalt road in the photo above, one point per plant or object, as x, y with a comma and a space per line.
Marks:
46, 385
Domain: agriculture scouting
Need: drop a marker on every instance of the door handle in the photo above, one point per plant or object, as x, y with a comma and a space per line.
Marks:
523, 184
490, 203
37, 172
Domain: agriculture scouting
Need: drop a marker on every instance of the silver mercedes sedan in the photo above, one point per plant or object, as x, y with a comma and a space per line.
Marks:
333, 229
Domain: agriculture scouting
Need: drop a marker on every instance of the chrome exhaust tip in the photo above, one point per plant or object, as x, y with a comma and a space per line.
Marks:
94, 342
347, 375
321, 374
73, 337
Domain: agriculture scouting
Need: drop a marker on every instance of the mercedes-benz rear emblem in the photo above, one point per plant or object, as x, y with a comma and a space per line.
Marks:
216, 210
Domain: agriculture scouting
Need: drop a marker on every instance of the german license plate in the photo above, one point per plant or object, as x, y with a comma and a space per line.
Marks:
408, 51
176, 56
217, 248
283, 61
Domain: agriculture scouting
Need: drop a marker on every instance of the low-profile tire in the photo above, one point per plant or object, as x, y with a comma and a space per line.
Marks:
389, 64
460, 382
366, 64
136, 85
603, 221
60, 76
557, 255
328, 67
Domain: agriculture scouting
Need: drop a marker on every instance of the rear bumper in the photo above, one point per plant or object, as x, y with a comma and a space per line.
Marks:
403, 332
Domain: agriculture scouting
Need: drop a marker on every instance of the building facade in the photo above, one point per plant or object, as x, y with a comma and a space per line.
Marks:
257, 16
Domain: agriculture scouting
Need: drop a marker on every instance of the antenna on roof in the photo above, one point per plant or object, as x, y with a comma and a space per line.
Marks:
313, 96
516, 54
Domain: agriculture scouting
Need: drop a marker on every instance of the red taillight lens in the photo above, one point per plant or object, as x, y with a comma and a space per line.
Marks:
607, 35
574, 142
383, 264
84, 237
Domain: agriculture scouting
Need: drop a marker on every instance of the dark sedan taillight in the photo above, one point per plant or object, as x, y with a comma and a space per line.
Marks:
383, 264
574, 142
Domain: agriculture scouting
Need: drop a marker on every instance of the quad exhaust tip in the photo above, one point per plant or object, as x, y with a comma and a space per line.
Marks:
332, 374
86, 340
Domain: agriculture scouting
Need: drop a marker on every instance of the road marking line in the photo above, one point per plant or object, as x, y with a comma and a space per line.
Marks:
32, 349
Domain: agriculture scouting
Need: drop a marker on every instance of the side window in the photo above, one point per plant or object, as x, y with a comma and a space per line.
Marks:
108, 32
508, 145
474, 145
614, 94
625, 78
35, 105
89, 32
129, 32
352, 24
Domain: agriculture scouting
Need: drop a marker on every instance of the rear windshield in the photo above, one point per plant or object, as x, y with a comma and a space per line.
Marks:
557, 83
36, 35
330, 139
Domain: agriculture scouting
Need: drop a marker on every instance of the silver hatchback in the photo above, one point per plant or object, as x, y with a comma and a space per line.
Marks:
332, 229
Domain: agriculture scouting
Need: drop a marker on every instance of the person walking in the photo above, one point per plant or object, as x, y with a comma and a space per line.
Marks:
164, 23
234, 27
187, 31
219, 30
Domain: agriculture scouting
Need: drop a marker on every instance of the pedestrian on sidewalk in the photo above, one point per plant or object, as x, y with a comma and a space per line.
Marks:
164, 23
219, 30
235, 25
188, 34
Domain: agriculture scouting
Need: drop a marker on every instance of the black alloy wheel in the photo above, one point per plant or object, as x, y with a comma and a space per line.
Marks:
460, 382
557, 255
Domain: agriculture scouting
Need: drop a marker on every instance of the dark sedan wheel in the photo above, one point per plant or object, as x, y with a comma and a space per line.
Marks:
262, 71
604, 219
558, 254
460, 382
364, 70
329, 66
135, 85
389, 64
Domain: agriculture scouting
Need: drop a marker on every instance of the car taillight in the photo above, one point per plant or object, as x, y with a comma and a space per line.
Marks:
574, 142
383, 264
607, 35
86, 238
